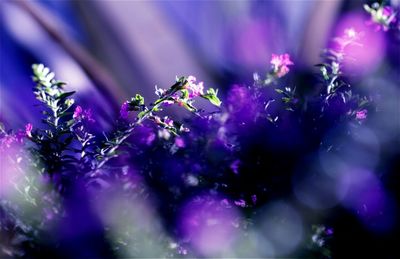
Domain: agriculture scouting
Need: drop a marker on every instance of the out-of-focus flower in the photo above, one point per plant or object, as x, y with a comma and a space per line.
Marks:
124, 110
280, 64
83, 115
179, 142
28, 129
235, 166
20, 136
182, 251
7, 141
381, 16
254, 198
349, 37
240, 203
351, 33
361, 115
329, 231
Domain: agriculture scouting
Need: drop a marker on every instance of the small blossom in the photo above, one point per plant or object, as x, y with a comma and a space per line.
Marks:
280, 64
191, 79
381, 16
164, 134
182, 251
195, 89
225, 203
361, 115
160, 92
349, 37
168, 121
240, 203
7, 141
350, 33
77, 112
81, 114
150, 138
179, 142
124, 111
28, 130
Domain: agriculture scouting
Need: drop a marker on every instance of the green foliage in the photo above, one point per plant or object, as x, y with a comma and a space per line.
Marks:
212, 97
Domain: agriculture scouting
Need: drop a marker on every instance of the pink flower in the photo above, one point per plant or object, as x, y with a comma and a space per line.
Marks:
195, 89
7, 141
361, 115
77, 112
28, 130
280, 64
124, 110
81, 114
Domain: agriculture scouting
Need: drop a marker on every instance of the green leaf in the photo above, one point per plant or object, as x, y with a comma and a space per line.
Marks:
65, 95
212, 97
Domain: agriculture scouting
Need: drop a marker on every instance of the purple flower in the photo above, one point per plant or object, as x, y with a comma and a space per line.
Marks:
382, 17
7, 141
124, 110
78, 112
83, 115
361, 115
168, 121
329, 231
19, 136
179, 142
225, 203
150, 138
280, 64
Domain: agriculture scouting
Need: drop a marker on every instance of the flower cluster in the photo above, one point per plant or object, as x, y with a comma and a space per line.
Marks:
83, 115
280, 64
8, 139
382, 17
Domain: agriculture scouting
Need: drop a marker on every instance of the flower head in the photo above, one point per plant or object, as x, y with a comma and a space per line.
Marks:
83, 115
381, 16
179, 142
78, 112
280, 64
28, 130
168, 121
195, 89
361, 115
